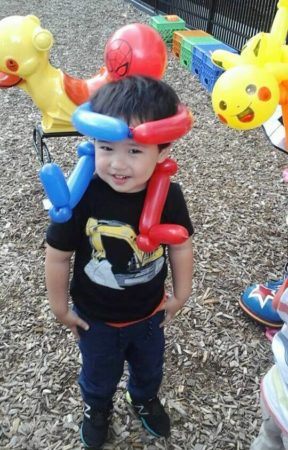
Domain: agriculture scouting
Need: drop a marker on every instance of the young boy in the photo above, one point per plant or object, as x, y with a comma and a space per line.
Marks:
118, 290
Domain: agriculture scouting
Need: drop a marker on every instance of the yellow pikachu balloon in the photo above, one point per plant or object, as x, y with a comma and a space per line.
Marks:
244, 97
256, 81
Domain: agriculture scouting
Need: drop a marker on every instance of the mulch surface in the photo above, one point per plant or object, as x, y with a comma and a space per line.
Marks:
215, 355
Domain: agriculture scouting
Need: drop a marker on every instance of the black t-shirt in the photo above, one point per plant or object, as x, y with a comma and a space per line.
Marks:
113, 280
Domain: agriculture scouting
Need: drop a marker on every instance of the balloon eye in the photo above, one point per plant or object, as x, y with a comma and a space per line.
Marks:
264, 94
251, 89
223, 105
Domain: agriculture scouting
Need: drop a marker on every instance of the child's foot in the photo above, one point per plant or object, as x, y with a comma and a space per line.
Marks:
94, 428
257, 300
152, 415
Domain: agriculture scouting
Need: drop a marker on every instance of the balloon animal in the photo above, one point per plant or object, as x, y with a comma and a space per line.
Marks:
64, 196
256, 81
24, 62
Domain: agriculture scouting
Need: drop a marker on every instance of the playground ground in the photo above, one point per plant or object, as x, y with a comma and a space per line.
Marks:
215, 355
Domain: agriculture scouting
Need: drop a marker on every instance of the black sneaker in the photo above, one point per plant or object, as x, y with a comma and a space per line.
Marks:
94, 428
152, 415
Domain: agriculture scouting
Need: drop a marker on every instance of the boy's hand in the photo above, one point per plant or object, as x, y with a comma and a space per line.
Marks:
72, 321
171, 306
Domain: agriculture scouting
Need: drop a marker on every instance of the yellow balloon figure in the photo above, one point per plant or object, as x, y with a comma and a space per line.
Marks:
24, 61
256, 81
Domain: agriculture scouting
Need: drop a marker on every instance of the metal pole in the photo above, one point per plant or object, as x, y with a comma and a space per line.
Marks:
212, 9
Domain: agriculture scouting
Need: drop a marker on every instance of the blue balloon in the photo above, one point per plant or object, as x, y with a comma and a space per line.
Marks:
60, 215
63, 195
99, 126
86, 148
55, 185
80, 179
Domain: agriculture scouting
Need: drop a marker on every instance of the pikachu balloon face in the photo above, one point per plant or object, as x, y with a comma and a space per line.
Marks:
245, 97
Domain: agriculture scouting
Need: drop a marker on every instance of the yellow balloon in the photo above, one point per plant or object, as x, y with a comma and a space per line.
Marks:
262, 49
245, 97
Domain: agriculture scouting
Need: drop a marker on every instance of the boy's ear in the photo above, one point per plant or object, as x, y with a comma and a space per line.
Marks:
164, 153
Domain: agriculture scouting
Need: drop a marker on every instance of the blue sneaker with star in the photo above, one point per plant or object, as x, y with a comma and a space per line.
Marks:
256, 301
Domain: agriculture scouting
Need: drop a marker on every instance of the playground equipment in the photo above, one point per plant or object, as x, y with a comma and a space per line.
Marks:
24, 62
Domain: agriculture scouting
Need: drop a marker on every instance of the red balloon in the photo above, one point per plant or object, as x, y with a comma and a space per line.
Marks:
164, 130
135, 49
152, 233
166, 233
145, 244
156, 195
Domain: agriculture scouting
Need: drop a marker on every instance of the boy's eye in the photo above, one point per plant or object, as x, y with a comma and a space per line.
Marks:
106, 148
135, 151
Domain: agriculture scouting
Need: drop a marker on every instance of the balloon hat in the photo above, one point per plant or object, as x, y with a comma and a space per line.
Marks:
106, 128
64, 196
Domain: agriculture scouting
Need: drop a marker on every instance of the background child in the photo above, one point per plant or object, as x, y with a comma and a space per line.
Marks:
118, 290
273, 433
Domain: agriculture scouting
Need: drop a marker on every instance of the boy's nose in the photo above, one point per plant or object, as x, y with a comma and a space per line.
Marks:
118, 163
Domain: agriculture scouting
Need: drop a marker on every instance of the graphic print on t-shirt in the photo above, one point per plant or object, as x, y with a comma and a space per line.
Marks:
140, 268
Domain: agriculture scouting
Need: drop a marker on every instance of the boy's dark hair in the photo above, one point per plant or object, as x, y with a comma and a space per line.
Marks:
140, 98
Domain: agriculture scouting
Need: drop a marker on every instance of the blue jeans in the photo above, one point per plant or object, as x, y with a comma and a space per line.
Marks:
104, 350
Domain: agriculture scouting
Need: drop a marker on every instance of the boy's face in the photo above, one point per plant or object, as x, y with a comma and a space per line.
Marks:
126, 165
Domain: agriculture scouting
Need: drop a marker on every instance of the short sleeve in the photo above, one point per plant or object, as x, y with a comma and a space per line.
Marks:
67, 236
175, 210
62, 236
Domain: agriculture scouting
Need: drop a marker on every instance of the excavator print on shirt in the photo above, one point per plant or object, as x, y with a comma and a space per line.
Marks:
141, 267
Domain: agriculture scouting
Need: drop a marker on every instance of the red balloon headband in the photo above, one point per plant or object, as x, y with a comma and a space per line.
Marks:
164, 130
106, 128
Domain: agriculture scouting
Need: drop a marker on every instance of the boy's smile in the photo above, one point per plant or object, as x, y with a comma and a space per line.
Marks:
126, 165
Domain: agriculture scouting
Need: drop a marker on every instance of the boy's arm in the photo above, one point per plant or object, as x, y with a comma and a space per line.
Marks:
182, 263
57, 269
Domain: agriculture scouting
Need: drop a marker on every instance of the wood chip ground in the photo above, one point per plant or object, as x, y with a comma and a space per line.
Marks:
215, 355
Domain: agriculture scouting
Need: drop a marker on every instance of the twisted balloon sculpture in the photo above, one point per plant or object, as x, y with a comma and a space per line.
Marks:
256, 81
64, 196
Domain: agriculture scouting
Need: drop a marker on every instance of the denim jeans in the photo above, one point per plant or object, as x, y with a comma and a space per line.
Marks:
104, 350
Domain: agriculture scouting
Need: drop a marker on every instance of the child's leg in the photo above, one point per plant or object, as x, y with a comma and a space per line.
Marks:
145, 357
102, 364
102, 367
270, 436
